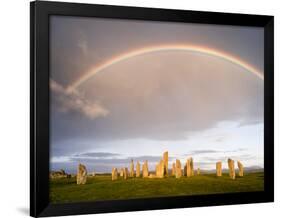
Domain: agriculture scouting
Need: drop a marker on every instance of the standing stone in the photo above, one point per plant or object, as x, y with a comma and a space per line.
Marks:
241, 168
132, 173
178, 169
114, 174
160, 169
145, 169
191, 166
231, 168
173, 169
138, 169
166, 163
184, 170
188, 168
198, 171
218, 168
81, 175
125, 173
121, 172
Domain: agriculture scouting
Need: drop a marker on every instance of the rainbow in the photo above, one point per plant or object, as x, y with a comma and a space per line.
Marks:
177, 47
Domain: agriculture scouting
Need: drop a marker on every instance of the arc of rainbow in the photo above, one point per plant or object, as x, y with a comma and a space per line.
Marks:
150, 49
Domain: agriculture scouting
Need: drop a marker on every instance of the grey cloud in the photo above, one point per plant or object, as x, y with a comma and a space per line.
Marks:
167, 102
97, 154
197, 152
74, 101
102, 159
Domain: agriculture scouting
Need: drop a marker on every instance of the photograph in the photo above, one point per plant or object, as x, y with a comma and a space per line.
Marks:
151, 109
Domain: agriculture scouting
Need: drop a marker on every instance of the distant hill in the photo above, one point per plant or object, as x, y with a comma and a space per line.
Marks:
251, 169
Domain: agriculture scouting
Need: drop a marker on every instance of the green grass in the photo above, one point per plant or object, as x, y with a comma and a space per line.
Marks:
102, 188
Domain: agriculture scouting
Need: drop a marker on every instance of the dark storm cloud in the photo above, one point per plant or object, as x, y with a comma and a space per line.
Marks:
167, 103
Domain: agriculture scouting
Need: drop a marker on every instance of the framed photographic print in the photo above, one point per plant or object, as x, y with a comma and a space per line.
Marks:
142, 109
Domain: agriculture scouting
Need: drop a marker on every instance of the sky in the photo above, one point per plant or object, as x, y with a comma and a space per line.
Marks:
188, 103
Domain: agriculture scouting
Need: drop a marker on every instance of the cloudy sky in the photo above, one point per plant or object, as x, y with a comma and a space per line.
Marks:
189, 103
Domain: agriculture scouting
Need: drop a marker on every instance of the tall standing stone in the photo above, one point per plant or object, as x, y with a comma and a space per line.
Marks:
132, 170
173, 169
198, 171
166, 163
160, 169
138, 169
114, 174
191, 166
121, 172
178, 169
188, 167
218, 168
81, 175
241, 168
184, 169
125, 173
145, 169
231, 168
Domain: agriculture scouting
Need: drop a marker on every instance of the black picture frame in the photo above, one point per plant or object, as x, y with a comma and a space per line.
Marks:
39, 107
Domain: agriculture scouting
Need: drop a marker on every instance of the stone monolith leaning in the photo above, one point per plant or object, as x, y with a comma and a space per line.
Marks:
81, 175
241, 168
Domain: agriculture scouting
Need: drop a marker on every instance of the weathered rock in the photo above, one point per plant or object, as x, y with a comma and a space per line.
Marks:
160, 169
59, 174
93, 174
81, 175
132, 170
219, 168
114, 174
189, 167
231, 168
126, 173
178, 169
145, 169
241, 168
184, 170
173, 169
166, 163
121, 172
198, 171
138, 169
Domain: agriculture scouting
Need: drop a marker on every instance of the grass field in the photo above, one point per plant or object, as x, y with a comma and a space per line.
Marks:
102, 188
